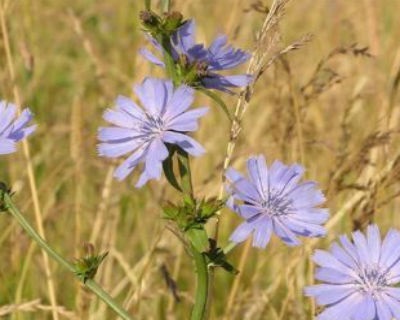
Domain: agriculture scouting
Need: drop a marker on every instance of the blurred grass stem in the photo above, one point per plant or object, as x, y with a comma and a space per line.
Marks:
29, 166
91, 284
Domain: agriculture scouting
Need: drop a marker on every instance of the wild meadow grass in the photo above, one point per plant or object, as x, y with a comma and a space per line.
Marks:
327, 99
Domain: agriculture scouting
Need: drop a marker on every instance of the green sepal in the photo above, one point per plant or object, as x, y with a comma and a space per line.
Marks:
86, 267
218, 100
190, 217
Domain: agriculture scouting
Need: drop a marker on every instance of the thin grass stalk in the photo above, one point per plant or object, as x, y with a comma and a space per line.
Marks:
89, 283
29, 166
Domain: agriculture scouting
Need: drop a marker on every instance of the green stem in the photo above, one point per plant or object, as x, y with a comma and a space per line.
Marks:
166, 6
230, 247
199, 311
168, 59
91, 284
147, 4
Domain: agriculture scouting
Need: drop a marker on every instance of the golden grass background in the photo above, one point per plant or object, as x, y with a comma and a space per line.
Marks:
71, 59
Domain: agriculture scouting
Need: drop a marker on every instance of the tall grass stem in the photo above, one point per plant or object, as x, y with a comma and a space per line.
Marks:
91, 284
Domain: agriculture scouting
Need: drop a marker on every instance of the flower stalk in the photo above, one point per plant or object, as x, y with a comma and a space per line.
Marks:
9, 205
199, 311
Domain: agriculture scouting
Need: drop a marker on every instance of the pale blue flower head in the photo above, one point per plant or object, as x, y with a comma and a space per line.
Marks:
361, 277
144, 133
272, 200
199, 65
13, 128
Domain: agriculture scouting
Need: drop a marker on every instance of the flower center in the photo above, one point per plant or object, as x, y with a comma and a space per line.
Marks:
372, 280
276, 204
153, 126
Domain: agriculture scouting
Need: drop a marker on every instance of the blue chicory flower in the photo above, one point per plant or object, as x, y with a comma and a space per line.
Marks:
272, 200
12, 128
200, 63
144, 133
362, 277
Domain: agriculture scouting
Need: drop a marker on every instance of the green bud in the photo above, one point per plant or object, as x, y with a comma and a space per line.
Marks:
149, 19
86, 267
172, 21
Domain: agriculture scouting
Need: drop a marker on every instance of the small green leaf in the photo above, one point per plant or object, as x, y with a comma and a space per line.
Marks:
218, 100
217, 258
199, 239
169, 171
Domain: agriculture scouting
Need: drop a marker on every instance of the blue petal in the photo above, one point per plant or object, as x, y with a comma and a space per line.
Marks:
343, 309
155, 155
303, 228
393, 304
185, 142
306, 195
327, 260
222, 56
129, 109
333, 276
383, 310
374, 243
390, 248
242, 232
219, 82
183, 38
360, 243
114, 150
7, 114
284, 233
243, 188
7, 146
151, 57
129, 164
180, 101
262, 232
187, 121
116, 134
343, 256
258, 174
312, 215
365, 309
154, 94
326, 294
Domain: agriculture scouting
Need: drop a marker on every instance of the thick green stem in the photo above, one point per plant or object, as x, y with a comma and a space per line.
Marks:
199, 311
91, 284
147, 4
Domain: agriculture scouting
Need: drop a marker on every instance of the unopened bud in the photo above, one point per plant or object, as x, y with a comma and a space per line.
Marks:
149, 18
173, 20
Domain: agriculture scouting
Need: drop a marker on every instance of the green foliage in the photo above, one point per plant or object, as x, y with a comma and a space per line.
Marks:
4, 189
191, 216
86, 267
